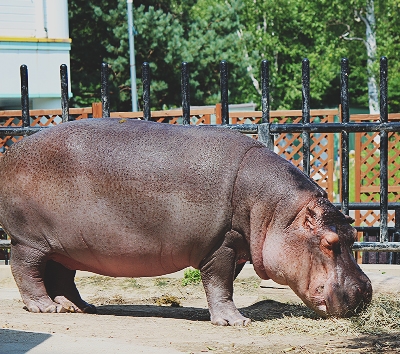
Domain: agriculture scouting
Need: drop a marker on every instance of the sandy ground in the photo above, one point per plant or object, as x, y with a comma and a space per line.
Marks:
131, 320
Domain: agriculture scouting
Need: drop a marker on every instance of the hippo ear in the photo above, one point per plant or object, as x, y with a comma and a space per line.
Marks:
309, 219
349, 219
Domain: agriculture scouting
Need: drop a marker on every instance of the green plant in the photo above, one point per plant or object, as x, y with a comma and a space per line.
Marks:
161, 282
191, 276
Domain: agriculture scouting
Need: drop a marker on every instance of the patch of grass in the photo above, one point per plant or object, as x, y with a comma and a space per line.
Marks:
95, 280
191, 276
130, 283
161, 282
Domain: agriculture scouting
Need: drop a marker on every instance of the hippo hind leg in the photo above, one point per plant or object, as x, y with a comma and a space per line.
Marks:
60, 286
28, 267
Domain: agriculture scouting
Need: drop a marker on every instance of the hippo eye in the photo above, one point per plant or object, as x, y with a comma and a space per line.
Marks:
333, 228
331, 243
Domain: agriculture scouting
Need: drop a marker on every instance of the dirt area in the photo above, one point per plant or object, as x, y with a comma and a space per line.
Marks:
160, 315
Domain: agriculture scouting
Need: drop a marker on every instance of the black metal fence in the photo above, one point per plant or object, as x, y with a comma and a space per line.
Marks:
386, 238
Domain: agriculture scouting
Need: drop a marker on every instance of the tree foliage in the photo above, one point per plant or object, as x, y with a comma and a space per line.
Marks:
243, 32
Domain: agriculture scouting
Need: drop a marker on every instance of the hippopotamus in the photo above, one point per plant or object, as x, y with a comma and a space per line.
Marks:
131, 198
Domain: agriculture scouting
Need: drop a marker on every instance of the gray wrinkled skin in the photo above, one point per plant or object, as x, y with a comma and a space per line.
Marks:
134, 199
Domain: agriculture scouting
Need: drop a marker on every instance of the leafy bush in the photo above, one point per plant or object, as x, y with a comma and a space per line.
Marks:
191, 276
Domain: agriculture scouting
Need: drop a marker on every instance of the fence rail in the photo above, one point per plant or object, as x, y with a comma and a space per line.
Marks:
266, 129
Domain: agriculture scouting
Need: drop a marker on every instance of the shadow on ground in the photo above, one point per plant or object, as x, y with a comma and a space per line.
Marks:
385, 343
260, 311
19, 342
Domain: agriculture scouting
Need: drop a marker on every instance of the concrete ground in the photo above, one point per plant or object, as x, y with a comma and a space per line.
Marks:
382, 277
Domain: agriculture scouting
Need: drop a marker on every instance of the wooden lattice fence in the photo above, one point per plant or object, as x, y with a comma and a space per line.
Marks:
287, 145
39, 118
290, 145
367, 176
367, 163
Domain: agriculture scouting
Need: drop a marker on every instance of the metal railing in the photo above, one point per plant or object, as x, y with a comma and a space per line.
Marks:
266, 131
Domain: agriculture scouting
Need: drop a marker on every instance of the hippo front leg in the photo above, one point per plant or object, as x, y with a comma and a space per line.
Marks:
217, 274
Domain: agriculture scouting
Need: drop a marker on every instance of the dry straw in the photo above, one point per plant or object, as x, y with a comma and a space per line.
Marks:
381, 317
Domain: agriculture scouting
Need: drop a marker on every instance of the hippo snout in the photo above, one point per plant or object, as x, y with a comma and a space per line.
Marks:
349, 298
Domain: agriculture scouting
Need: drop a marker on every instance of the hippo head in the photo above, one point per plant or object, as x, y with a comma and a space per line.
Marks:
314, 258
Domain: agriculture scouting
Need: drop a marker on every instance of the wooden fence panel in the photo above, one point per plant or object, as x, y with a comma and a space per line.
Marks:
290, 145
39, 117
287, 145
367, 163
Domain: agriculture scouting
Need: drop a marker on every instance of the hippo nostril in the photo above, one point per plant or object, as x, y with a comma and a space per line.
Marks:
364, 291
356, 289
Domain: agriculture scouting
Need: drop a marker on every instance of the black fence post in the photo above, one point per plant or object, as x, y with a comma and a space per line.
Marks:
264, 134
185, 93
345, 113
146, 90
224, 92
383, 147
396, 235
306, 114
64, 93
265, 105
24, 96
105, 96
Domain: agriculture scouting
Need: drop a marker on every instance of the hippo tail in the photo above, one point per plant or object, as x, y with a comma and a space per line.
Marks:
5, 180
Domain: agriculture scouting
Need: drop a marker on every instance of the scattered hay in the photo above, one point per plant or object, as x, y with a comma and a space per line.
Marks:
381, 317
303, 325
114, 300
167, 300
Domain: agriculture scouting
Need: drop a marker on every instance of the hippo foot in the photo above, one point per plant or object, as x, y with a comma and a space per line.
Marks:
229, 318
239, 322
60, 305
71, 307
36, 307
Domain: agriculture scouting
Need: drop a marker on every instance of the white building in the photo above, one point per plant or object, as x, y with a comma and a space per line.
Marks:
35, 33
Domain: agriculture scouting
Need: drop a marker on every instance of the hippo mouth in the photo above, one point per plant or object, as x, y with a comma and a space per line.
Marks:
325, 308
319, 305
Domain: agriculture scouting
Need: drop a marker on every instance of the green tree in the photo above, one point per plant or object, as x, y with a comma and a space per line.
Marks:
213, 37
367, 30
388, 37
168, 32
243, 32
100, 34
89, 40
284, 33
